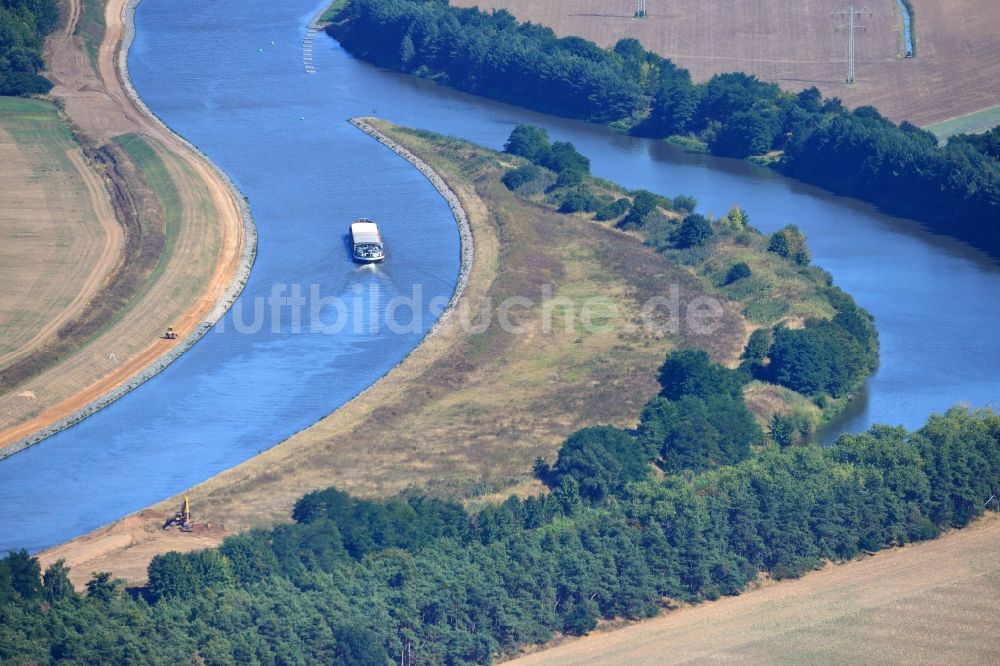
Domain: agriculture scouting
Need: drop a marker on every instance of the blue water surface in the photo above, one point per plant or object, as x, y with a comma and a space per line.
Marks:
907, 26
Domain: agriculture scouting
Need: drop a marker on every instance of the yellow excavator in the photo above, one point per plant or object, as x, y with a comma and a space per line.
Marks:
182, 518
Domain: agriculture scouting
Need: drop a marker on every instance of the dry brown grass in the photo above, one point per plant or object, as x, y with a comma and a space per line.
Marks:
795, 43
933, 602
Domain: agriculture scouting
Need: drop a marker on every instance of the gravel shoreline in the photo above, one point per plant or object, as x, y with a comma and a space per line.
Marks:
230, 295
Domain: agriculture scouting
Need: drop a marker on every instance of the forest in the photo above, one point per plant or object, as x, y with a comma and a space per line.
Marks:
695, 504
23, 27
954, 189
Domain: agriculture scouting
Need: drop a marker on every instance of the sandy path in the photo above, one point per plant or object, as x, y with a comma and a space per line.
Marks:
101, 106
934, 602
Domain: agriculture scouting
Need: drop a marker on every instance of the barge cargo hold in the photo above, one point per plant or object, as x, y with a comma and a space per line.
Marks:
366, 241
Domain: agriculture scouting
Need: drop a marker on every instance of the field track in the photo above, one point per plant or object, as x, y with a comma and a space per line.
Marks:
933, 602
796, 43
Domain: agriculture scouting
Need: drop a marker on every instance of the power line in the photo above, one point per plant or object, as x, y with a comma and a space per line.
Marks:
850, 14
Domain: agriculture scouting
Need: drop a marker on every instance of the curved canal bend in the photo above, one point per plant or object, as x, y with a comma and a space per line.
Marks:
230, 77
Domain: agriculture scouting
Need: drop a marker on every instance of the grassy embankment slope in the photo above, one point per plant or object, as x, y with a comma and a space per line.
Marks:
90, 27
796, 44
183, 228
466, 414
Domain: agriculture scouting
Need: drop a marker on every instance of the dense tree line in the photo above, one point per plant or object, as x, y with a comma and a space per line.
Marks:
23, 27
954, 189
357, 581
824, 357
987, 143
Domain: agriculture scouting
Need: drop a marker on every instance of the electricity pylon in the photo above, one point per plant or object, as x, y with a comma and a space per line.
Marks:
850, 14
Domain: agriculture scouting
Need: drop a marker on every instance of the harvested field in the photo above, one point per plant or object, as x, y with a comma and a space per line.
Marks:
934, 602
796, 44
59, 238
165, 297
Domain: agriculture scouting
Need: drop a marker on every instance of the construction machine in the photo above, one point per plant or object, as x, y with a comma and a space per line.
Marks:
182, 518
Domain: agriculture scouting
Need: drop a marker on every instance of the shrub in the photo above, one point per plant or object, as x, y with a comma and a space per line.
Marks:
820, 358
529, 142
691, 372
602, 460
569, 178
694, 231
577, 200
758, 345
738, 271
612, 210
517, 178
643, 203
565, 157
790, 243
683, 203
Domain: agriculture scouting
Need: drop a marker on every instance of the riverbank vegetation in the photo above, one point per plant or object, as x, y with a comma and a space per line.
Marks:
812, 337
23, 27
357, 581
859, 153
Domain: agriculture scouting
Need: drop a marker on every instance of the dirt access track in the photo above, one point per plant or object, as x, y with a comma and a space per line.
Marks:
796, 43
207, 260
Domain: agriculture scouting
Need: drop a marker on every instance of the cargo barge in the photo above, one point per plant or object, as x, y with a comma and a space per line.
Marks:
366, 241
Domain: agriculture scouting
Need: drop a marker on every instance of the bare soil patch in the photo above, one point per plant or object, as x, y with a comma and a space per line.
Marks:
933, 602
796, 44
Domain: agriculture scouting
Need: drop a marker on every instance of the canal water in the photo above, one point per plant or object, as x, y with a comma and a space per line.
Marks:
230, 76
907, 26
